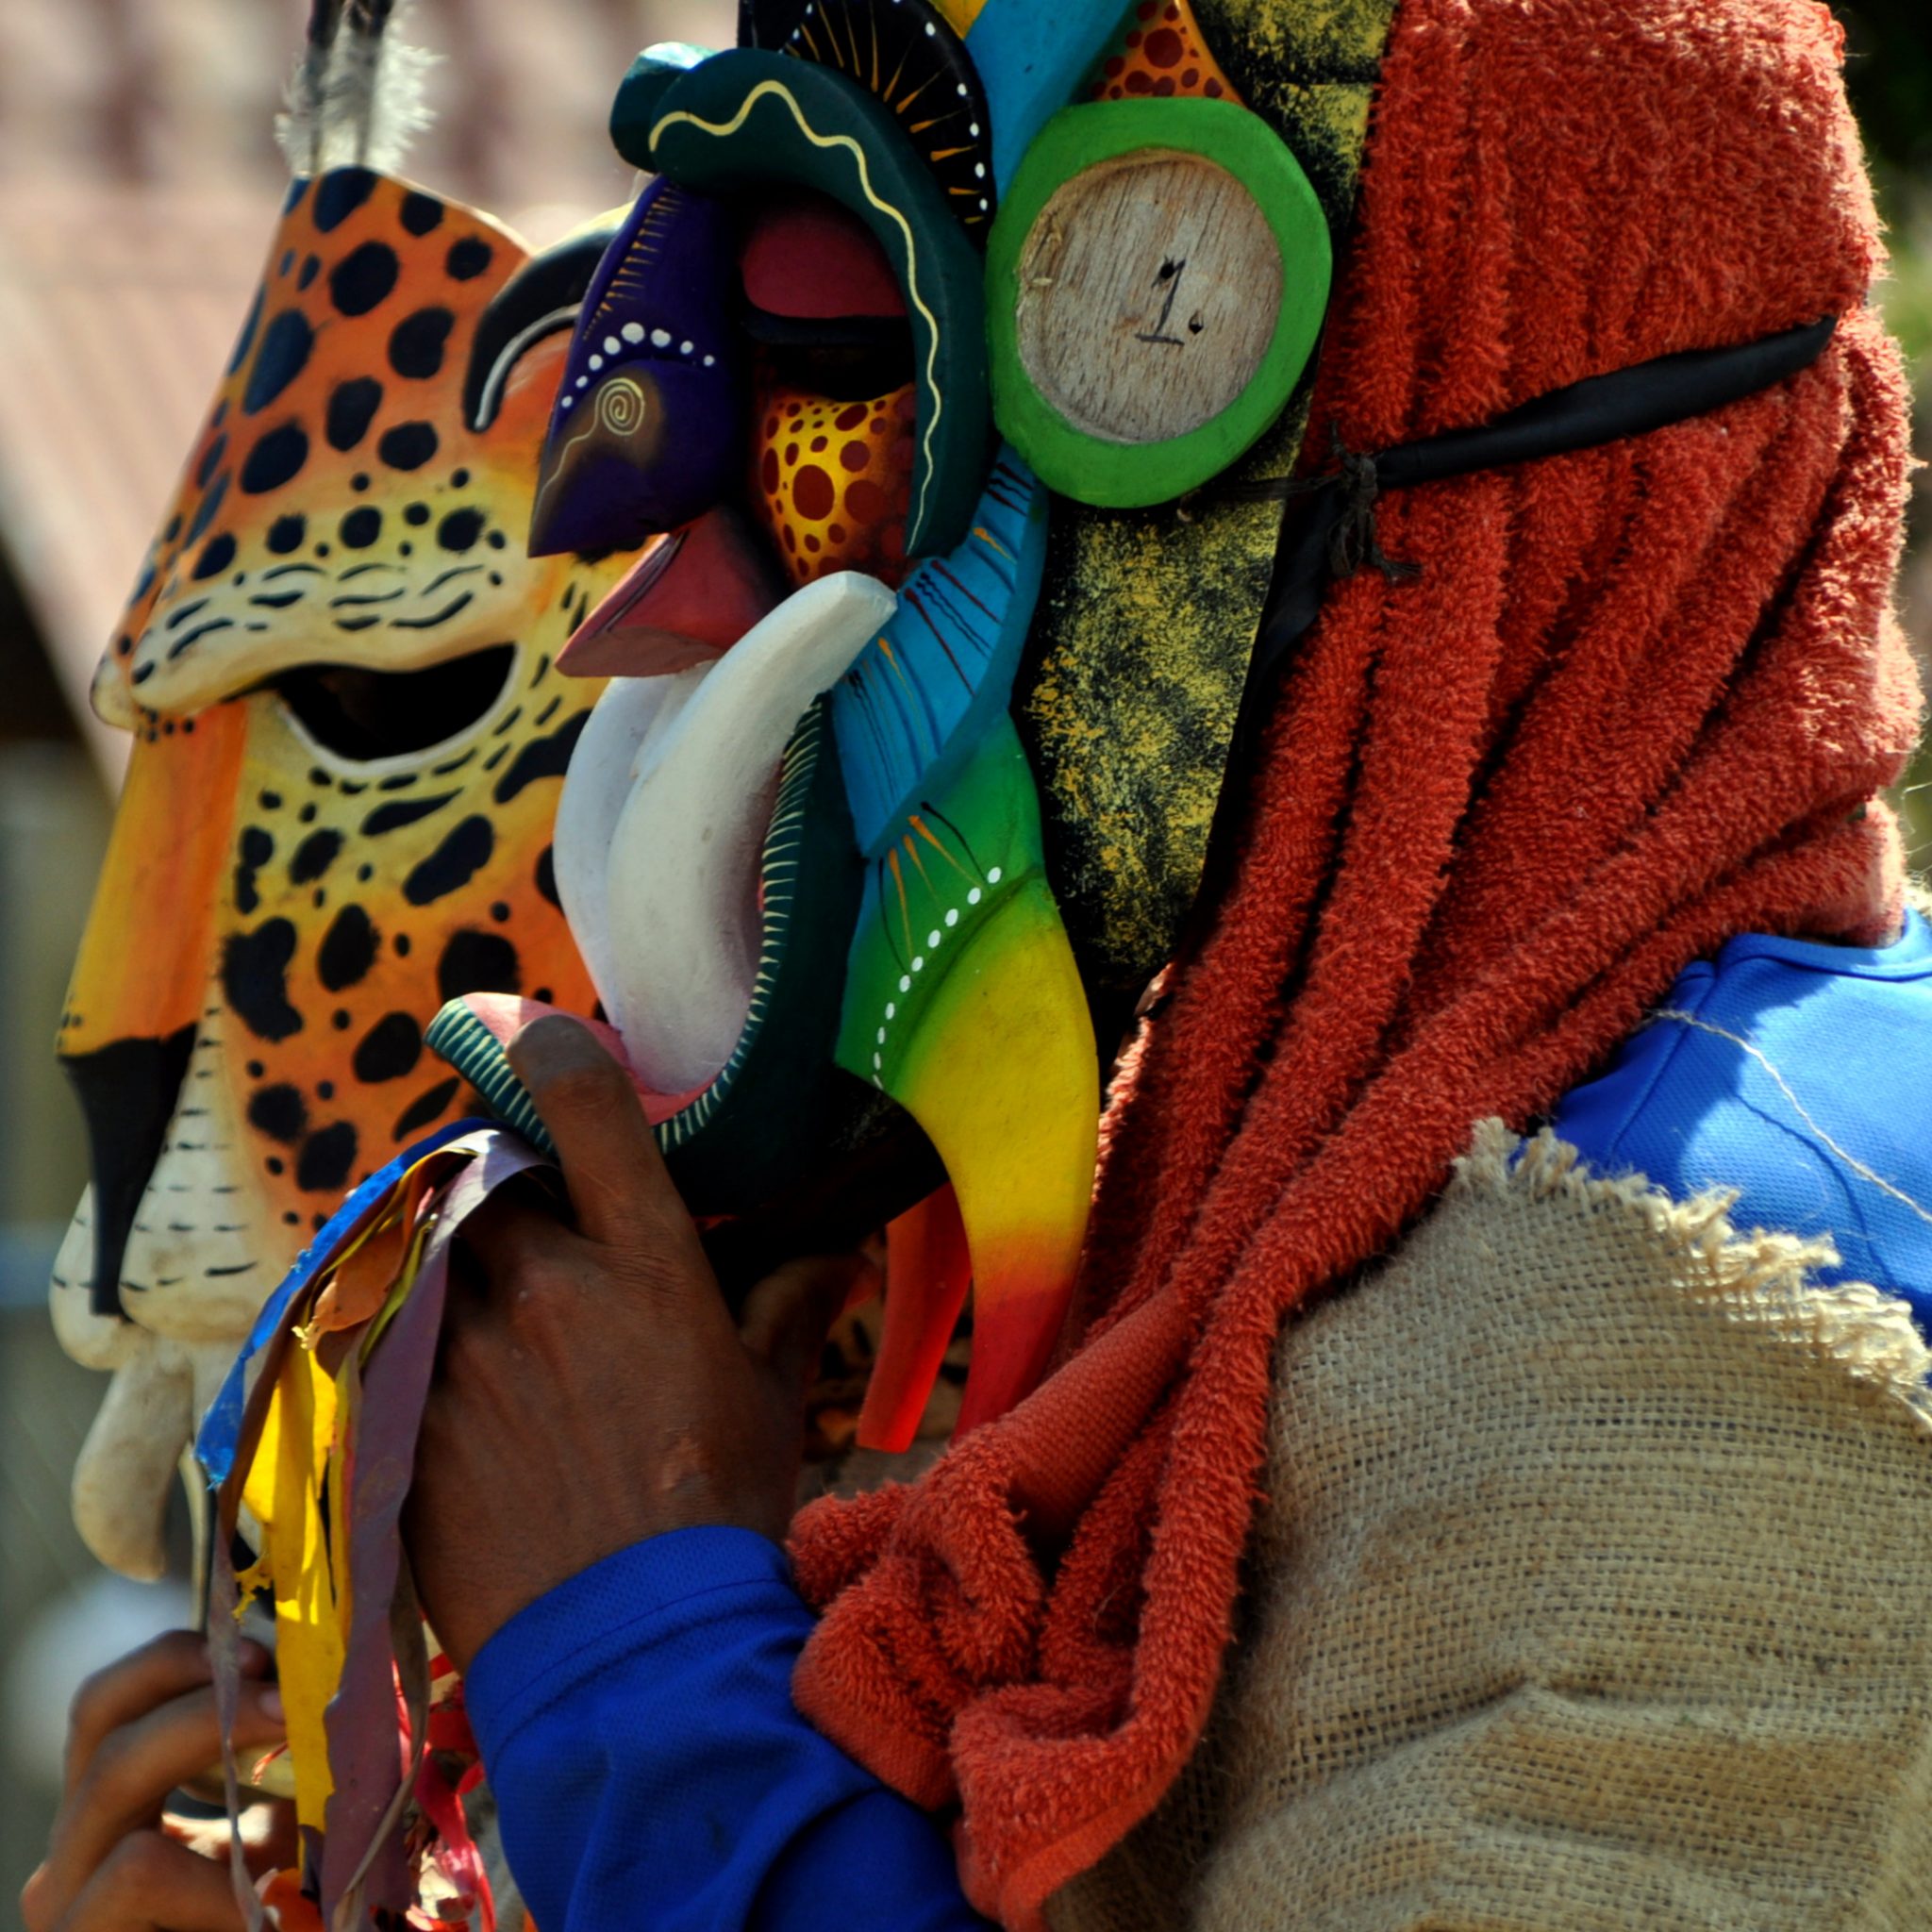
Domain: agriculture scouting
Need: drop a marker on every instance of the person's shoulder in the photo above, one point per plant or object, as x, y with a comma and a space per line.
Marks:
1798, 1074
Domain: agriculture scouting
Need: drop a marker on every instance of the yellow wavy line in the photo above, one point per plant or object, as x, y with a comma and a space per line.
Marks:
725, 128
556, 475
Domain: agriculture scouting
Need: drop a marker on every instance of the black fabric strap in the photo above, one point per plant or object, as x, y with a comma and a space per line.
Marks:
1328, 529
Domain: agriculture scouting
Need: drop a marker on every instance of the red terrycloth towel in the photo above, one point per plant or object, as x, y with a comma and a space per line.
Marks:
1641, 698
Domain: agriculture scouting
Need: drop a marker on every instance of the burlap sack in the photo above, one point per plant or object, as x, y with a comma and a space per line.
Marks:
1593, 1591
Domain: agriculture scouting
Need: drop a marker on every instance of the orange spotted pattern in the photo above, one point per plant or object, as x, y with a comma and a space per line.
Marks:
1162, 54
834, 480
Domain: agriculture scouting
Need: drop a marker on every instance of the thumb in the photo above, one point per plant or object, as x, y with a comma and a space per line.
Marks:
790, 1313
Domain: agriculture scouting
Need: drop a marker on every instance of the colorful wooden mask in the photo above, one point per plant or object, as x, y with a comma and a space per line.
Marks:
928, 897
339, 665
881, 235
903, 779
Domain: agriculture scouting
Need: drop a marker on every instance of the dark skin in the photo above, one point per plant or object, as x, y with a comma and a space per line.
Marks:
593, 1390
116, 1861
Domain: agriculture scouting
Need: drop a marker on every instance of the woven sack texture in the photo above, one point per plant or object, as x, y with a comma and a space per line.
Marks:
1592, 1592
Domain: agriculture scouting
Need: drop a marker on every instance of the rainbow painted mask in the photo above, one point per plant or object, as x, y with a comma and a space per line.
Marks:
968, 346
340, 669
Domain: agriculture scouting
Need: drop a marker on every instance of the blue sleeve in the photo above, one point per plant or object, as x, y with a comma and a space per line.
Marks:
652, 1771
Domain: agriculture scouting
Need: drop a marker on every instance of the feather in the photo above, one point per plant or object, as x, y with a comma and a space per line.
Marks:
357, 98
298, 130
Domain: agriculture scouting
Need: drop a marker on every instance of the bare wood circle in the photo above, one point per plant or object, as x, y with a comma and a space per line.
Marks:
1149, 288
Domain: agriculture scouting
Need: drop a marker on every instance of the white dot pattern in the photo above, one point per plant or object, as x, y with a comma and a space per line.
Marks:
934, 939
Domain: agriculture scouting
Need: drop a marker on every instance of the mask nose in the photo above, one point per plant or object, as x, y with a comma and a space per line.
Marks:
127, 1092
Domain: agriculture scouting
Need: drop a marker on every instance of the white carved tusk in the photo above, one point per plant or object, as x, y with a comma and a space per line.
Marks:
683, 867
603, 769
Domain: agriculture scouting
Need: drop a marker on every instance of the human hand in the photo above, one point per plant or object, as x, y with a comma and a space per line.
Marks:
593, 1388
116, 1862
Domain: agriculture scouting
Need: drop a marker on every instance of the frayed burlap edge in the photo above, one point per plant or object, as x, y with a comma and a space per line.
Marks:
1569, 1783
1762, 1281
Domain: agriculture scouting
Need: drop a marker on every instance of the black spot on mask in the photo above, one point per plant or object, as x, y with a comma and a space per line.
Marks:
314, 857
347, 950
425, 1109
285, 346
323, 1166
363, 279
407, 446
276, 460
454, 863
543, 758
256, 849
254, 968
352, 407
477, 963
388, 1050
468, 258
420, 212
340, 194
279, 1112
402, 811
416, 344
361, 527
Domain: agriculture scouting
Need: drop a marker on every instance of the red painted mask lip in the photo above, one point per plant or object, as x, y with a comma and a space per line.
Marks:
687, 599
807, 260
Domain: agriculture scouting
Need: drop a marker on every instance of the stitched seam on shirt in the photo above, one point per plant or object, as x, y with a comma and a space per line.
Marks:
1663, 1066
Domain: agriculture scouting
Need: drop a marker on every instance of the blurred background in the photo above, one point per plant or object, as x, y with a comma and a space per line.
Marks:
139, 177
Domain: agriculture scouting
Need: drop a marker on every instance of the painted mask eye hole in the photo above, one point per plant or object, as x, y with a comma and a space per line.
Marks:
820, 296
365, 716
1155, 283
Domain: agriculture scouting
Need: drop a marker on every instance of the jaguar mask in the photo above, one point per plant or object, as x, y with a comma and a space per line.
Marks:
340, 669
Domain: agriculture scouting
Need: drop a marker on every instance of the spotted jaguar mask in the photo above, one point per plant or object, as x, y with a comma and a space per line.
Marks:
339, 668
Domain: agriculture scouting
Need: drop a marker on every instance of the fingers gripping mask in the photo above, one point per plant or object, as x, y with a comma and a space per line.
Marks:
339, 666
925, 319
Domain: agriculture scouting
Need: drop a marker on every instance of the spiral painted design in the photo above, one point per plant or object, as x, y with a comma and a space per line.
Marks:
621, 405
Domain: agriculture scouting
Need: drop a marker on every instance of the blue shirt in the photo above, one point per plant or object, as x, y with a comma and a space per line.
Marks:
653, 1774
1799, 1075
637, 1724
